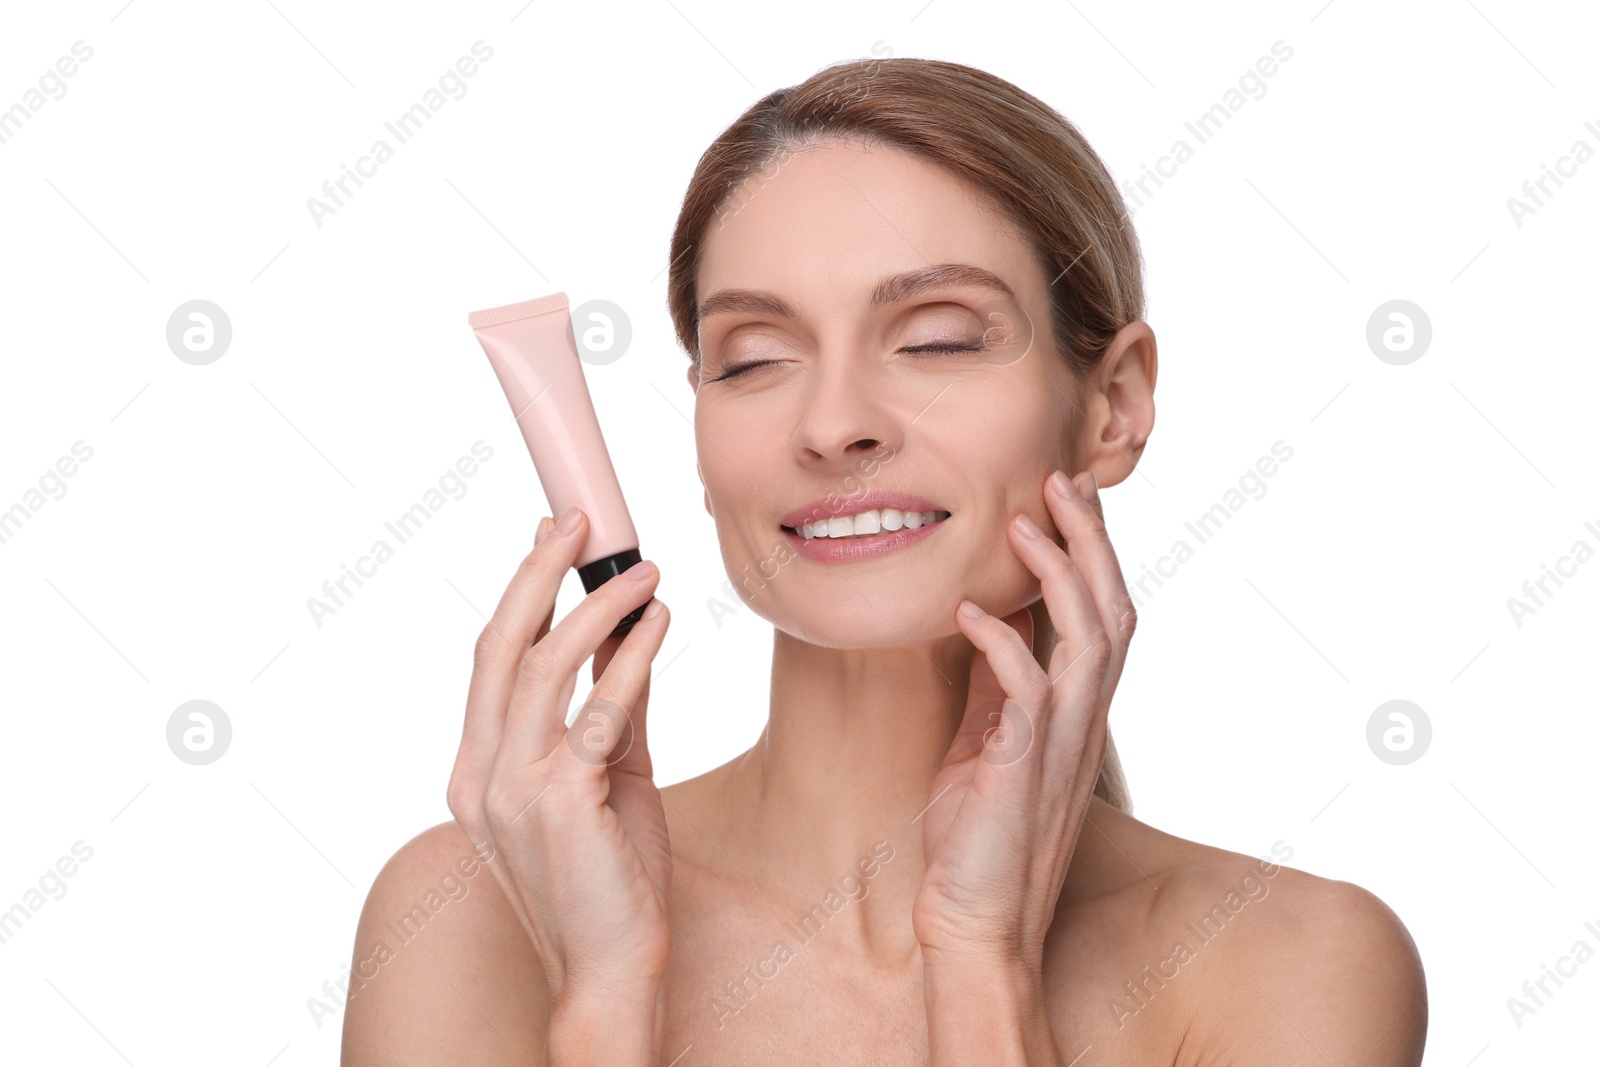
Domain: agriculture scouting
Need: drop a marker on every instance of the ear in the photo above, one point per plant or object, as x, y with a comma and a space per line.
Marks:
1120, 403
694, 376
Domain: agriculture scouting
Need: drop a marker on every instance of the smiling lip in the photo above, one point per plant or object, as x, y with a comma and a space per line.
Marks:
865, 546
829, 506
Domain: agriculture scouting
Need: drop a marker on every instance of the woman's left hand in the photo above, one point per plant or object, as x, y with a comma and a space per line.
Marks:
1011, 797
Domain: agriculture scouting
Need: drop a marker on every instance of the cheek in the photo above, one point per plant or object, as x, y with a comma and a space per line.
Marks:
1006, 449
724, 463
739, 432
746, 533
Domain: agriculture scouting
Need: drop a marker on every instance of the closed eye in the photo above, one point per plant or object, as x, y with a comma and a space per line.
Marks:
946, 347
725, 375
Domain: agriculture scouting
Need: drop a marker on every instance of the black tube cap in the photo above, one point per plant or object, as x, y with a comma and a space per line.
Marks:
594, 575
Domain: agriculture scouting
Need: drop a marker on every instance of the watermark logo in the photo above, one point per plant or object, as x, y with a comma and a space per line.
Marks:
1398, 332
1009, 735
591, 738
1399, 732
199, 332
199, 732
602, 330
1007, 339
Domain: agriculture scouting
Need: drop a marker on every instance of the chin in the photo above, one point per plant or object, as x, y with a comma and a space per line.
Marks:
851, 622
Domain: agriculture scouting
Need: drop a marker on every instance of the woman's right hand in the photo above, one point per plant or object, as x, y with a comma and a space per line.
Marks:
573, 816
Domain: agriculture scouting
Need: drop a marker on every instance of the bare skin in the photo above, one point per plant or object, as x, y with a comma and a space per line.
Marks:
470, 990
964, 925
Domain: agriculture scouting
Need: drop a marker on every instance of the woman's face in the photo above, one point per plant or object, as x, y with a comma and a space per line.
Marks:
815, 387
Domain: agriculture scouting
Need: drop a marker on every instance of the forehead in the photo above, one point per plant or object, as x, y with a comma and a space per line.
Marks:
823, 224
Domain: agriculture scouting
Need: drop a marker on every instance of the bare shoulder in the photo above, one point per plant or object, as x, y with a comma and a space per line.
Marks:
1288, 967
442, 970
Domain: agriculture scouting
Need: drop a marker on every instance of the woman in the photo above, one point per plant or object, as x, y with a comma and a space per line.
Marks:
913, 307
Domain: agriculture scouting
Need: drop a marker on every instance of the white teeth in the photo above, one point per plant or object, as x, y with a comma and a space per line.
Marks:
866, 523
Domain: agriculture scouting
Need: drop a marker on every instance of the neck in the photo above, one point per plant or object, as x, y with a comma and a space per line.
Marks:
853, 740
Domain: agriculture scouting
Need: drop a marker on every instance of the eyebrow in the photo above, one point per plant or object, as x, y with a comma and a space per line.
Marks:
895, 289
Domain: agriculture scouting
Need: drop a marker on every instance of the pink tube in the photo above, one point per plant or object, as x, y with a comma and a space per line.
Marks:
535, 355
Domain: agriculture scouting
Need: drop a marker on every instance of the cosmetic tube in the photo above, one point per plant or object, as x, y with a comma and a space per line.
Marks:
535, 355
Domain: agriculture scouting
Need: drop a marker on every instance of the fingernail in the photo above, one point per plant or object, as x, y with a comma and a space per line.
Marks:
643, 569
569, 521
971, 609
1026, 525
652, 611
1091, 491
1063, 485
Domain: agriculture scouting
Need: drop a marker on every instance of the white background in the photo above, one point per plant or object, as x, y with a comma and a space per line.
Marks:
178, 563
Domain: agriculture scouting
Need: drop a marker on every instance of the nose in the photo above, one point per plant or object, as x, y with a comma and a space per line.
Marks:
846, 412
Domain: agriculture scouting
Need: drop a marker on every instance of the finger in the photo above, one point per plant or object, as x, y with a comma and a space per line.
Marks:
1121, 601
1089, 488
1007, 719
524, 607
1067, 598
1089, 545
1077, 664
545, 526
520, 602
623, 690
985, 694
602, 655
1099, 661
1021, 621
536, 711
982, 685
